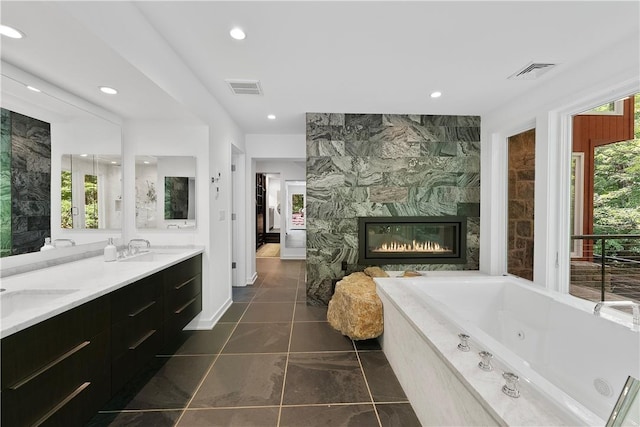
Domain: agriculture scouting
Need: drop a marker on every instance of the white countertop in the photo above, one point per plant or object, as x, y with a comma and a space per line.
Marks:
50, 291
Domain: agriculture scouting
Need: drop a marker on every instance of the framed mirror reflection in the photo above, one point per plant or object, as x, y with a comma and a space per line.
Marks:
91, 191
165, 192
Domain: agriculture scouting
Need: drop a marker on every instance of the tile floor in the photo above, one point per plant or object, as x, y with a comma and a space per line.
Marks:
270, 361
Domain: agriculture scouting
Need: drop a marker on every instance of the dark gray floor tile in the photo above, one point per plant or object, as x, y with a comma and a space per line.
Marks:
382, 381
310, 313
278, 281
275, 295
242, 380
245, 294
324, 378
318, 336
135, 419
259, 338
329, 416
166, 383
200, 342
302, 295
234, 312
397, 415
269, 312
236, 417
364, 345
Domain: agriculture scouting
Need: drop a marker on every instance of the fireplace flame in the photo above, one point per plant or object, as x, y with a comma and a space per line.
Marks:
414, 246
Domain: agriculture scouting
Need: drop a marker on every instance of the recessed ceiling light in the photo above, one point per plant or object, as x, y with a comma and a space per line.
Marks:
271, 117
35, 89
436, 94
146, 162
83, 155
237, 33
11, 32
114, 162
108, 90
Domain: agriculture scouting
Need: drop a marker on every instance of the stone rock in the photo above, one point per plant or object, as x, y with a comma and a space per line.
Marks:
355, 308
375, 272
411, 273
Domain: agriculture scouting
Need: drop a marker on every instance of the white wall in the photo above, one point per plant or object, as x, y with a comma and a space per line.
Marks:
606, 76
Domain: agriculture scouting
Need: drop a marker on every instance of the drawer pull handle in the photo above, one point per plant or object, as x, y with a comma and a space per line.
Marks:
66, 400
143, 339
176, 287
134, 314
51, 365
181, 309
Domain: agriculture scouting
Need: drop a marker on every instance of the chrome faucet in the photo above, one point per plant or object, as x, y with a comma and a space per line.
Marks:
73, 243
634, 305
130, 246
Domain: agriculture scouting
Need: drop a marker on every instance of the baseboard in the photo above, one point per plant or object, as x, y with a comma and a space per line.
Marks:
292, 257
252, 279
199, 323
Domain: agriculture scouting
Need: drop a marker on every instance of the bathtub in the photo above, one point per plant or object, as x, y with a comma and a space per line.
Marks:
572, 365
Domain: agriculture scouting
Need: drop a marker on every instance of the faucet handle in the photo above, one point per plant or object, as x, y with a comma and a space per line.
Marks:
485, 363
511, 386
464, 342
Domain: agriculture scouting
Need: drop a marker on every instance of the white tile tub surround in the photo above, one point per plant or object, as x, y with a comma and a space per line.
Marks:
555, 334
88, 278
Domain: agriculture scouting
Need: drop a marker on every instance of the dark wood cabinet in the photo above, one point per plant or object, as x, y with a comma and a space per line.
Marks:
261, 206
61, 371
182, 295
58, 371
136, 327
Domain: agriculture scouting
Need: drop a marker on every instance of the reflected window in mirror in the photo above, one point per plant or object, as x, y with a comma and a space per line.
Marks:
90, 191
165, 192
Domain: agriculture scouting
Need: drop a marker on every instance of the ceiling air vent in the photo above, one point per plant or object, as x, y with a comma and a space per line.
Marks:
245, 87
532, 71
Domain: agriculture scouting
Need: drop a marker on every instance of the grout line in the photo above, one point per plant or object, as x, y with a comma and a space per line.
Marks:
204, 377
375, 409
286, 364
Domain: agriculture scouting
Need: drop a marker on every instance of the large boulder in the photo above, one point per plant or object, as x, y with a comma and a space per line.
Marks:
355, 308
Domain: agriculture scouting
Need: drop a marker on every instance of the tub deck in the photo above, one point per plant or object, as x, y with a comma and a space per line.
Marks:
445, 386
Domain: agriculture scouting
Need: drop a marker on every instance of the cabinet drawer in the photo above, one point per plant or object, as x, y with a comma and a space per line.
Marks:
130, 331
66, 391
181, 293
133, 299
28, 351
177, 319
127, 364
183, 271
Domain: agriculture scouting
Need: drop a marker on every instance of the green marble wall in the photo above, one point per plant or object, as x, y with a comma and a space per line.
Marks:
5, 183
25, 187
385, 165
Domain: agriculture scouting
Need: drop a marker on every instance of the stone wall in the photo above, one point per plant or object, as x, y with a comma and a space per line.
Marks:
26, 169
521, 203
385, 165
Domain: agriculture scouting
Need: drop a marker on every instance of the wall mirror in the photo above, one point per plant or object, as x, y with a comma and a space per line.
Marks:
166, 192
90, 191
37, 129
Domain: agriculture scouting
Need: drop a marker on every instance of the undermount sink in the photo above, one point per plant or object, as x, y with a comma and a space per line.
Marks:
26, 299
147, 257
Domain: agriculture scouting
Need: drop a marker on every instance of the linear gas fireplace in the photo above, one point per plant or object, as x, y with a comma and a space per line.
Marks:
412, 240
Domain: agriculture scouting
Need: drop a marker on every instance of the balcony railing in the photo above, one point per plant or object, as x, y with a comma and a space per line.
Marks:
606, 267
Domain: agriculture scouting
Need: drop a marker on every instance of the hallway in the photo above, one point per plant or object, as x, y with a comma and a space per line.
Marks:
270, 361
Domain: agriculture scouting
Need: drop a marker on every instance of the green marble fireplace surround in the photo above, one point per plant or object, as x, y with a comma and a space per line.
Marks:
385, 165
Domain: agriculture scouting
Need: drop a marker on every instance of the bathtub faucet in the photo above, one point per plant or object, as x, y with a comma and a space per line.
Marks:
634, 305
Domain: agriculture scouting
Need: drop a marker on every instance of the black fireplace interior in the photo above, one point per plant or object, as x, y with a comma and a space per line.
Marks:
412, 240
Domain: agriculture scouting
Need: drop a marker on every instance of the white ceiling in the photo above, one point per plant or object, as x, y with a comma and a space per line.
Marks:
326, 56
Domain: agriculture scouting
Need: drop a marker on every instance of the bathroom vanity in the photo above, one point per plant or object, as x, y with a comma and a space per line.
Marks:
64, 358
